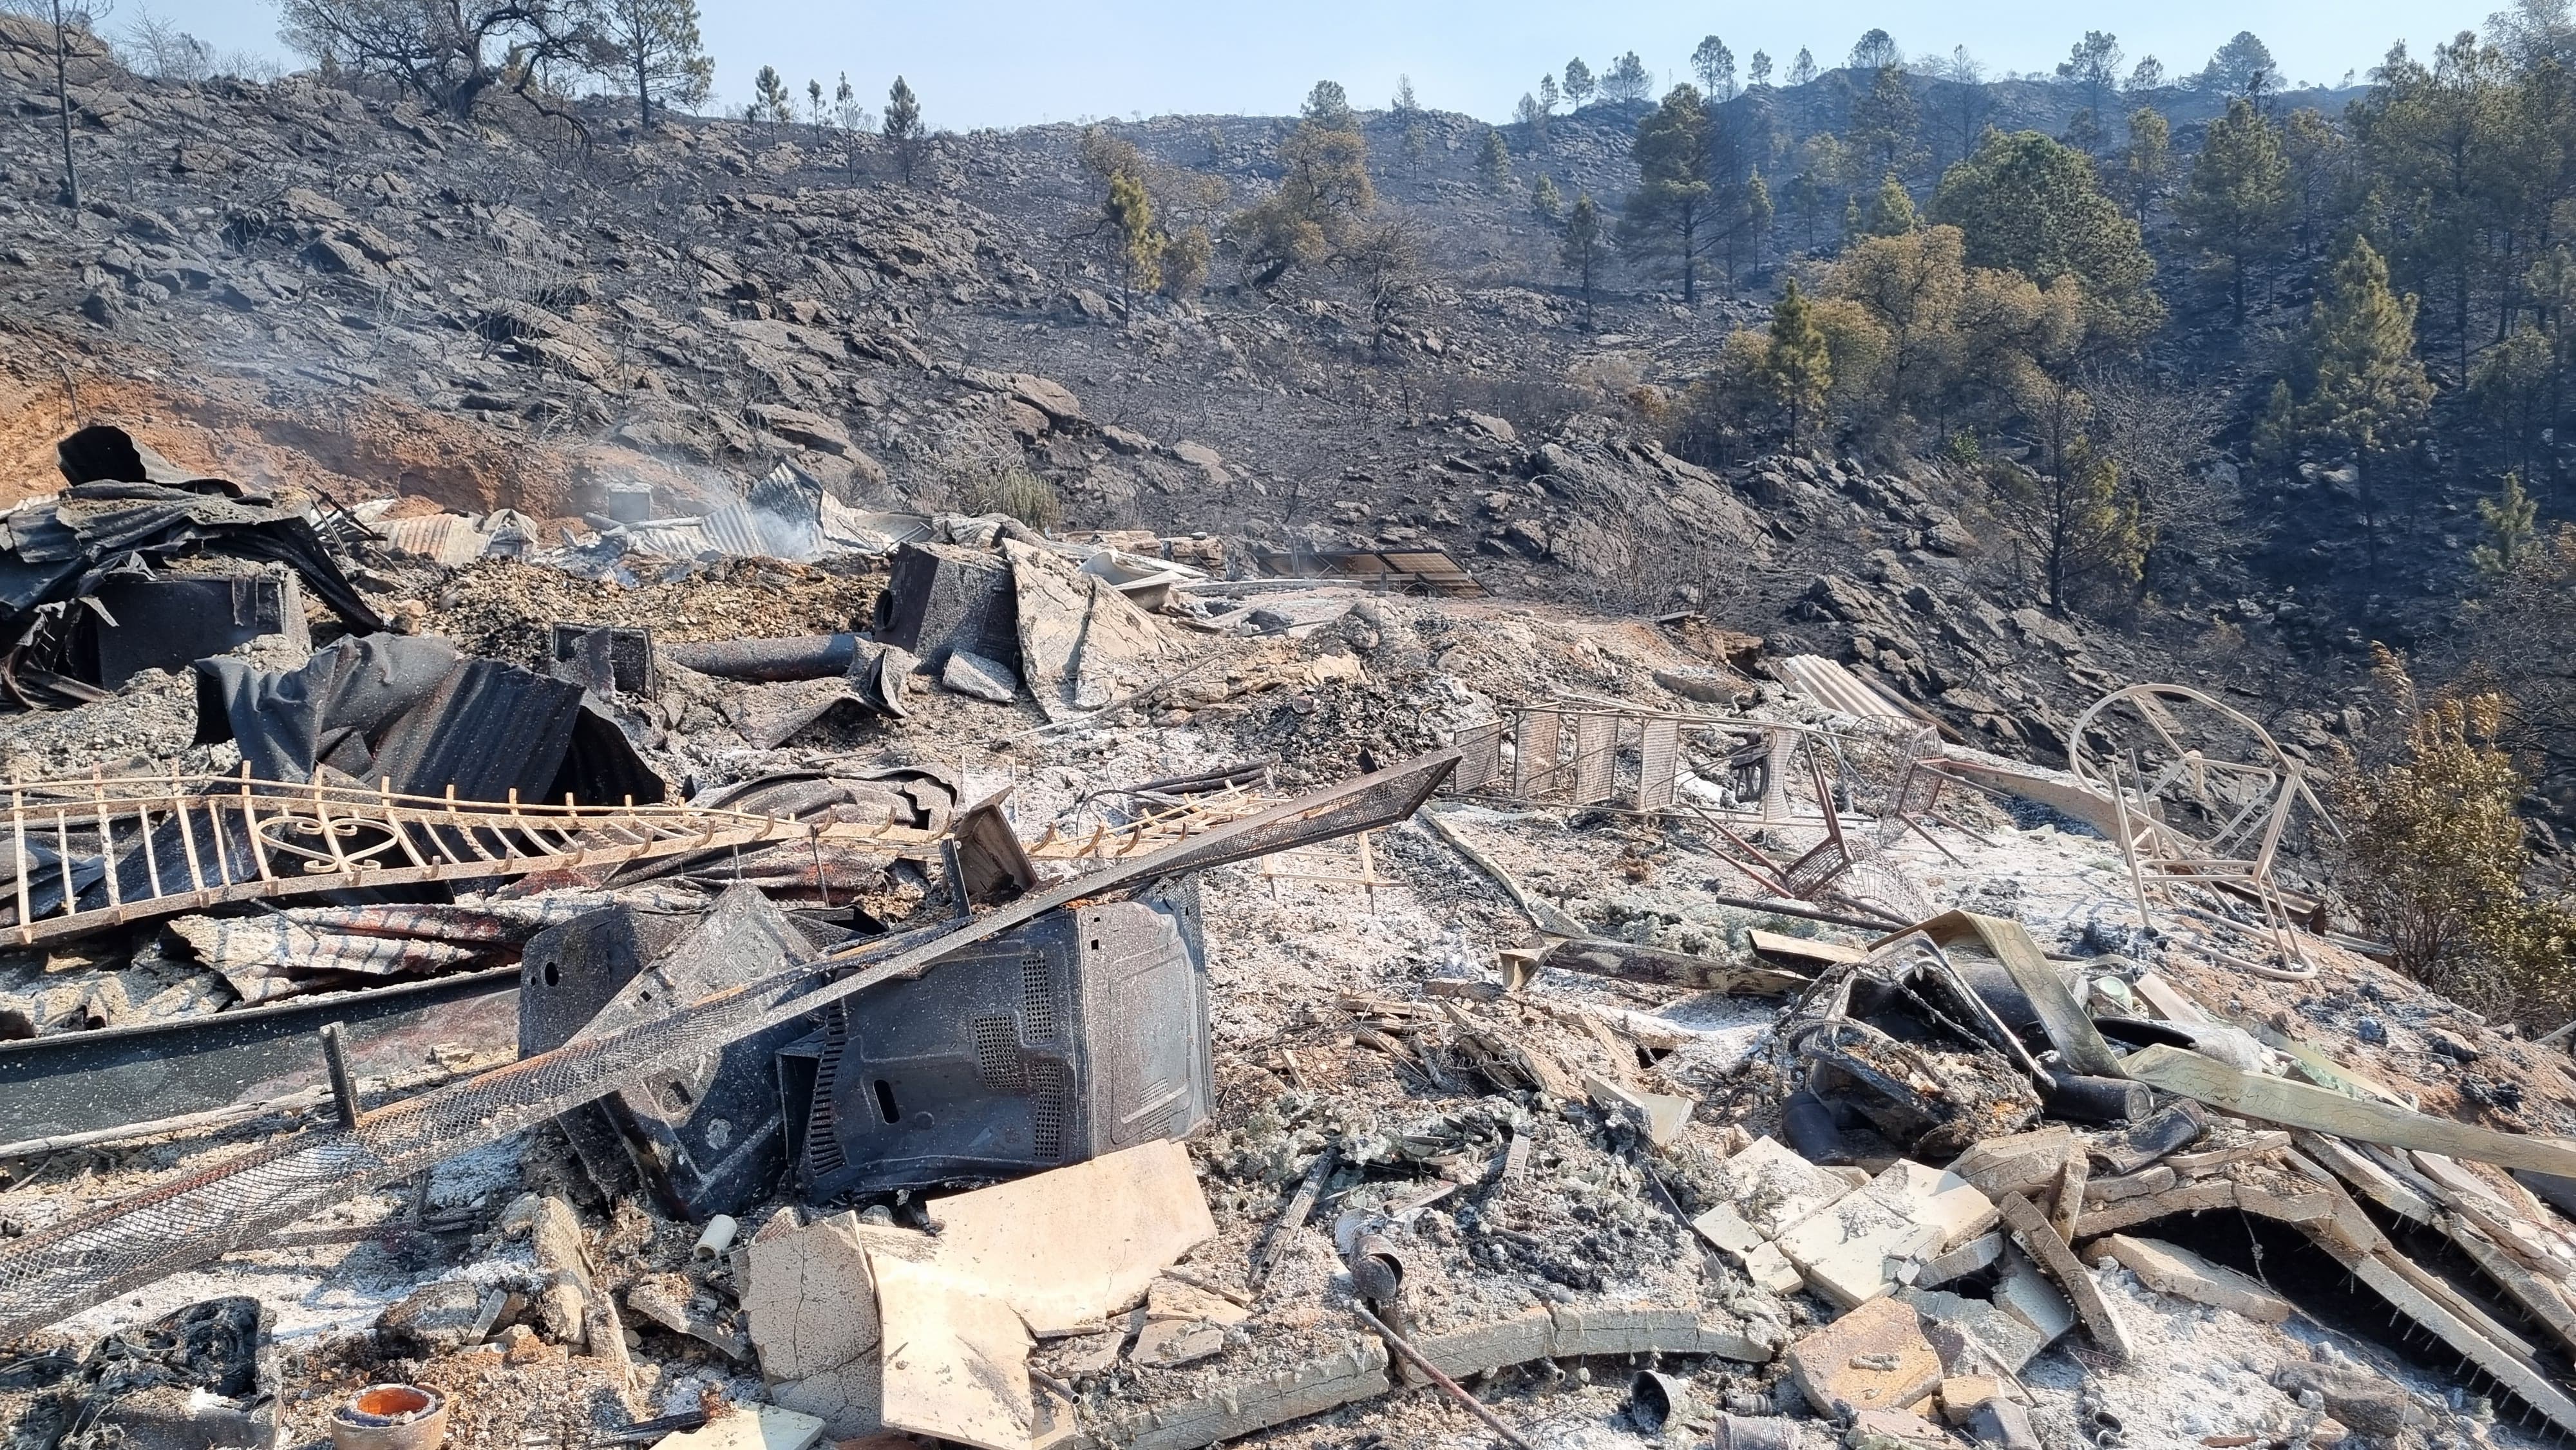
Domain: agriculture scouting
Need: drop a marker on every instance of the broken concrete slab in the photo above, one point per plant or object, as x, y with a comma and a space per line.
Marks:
955, 1357
2175, 1270
1973, 1336
1874, 1358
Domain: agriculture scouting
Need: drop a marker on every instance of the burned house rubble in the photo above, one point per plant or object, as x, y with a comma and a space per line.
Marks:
797, 972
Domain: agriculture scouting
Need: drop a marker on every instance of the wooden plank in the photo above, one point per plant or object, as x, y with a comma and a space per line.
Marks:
2524, 1380
1670, 969
1804, 948
2460, 1307
2067, 1024
2168, 1001
2039, 1239
2296, 1105
2536, 1296
2374, 1182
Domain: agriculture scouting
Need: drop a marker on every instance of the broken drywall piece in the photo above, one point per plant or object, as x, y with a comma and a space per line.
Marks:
812, 1307
1857, 1249
955, 1358
2175, 1270
749, 1427
1069, 1247
1767, 1190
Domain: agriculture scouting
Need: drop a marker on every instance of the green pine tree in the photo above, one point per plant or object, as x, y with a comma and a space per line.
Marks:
1797, 368
1494, 164
2511, 519
1585, 247
1129, 213
1545, 204
2238, 203
1891, 214
2371, 392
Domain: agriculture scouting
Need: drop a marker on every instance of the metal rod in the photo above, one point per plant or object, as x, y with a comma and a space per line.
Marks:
1448, 1386
344, 1088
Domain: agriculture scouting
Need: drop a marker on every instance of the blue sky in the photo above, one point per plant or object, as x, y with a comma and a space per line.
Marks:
999, 64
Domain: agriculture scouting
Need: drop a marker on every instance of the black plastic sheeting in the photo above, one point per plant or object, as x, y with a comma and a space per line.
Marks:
412, 713
325, 712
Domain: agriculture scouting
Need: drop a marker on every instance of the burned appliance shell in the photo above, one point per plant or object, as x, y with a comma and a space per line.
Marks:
707, 1137
1081, 1033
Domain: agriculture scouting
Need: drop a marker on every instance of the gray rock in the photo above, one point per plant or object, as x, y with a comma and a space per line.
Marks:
972, 674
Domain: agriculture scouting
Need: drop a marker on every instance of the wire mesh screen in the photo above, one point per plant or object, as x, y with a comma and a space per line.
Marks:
69, 1266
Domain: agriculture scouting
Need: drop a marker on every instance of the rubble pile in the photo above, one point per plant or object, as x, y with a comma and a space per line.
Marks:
907, 978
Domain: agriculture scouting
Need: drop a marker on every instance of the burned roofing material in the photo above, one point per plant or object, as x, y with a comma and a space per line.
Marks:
414, 715
127, 509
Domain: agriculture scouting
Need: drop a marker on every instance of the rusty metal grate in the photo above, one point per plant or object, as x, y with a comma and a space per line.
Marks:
108, 850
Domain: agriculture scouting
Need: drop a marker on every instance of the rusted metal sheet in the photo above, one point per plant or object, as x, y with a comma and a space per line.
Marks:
185, 843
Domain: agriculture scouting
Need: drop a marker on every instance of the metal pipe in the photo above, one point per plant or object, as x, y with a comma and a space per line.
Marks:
800, 657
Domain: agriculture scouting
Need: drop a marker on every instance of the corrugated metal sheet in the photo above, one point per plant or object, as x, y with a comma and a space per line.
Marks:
671, 540
450, 539
1425, 567
1827, 683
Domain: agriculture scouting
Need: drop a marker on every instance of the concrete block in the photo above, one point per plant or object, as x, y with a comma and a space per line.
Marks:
1875, 1357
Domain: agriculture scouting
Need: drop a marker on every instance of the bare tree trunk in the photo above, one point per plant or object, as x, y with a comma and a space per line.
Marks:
63, 108
643, 91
